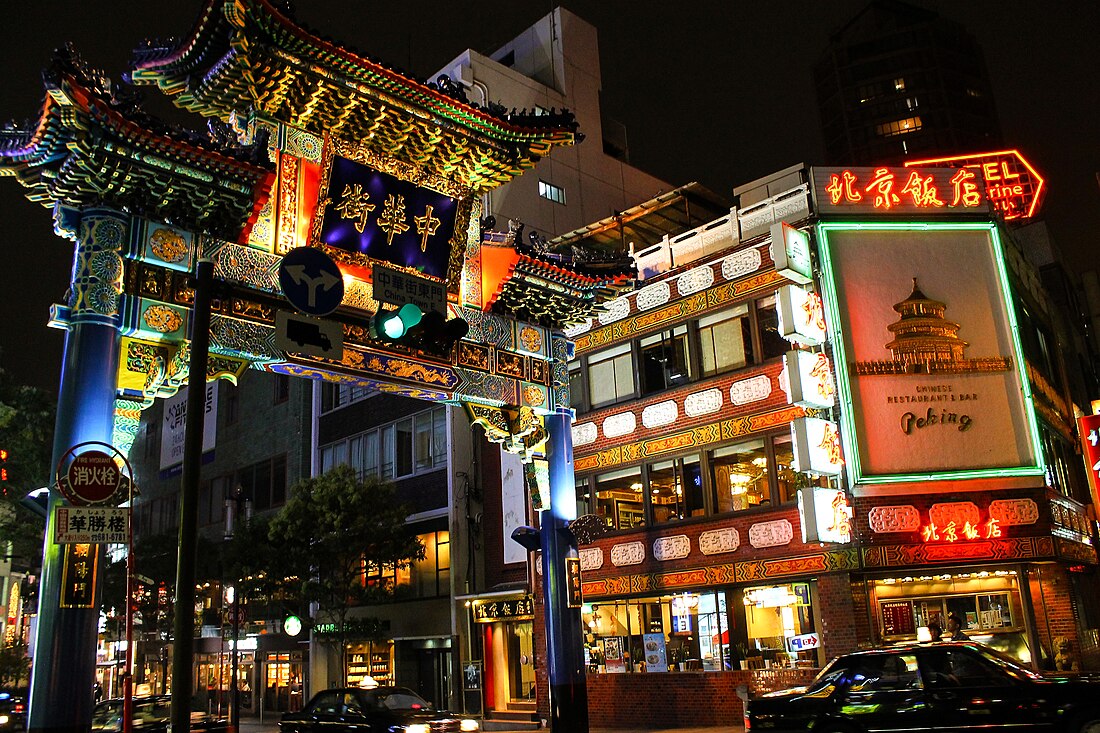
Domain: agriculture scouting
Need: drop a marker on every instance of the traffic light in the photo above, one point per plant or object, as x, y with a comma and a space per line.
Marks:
391, 324
436, 335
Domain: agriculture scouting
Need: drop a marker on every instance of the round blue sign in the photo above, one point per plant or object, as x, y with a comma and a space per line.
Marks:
311, 281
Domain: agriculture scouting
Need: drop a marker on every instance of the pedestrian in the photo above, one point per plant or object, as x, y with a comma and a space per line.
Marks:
935, 631
955, 628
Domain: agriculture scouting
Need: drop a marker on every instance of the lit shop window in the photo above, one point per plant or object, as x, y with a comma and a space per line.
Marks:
774, 617
667, 633
620, 498
675, 489
740, 476
552, 192
899, 84
898, 127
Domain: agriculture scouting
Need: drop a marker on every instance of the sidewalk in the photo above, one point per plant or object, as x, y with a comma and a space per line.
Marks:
253, 725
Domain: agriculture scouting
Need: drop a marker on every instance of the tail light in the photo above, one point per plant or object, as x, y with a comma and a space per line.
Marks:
18, 707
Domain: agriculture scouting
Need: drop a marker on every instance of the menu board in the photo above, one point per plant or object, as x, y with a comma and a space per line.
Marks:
897, 618
654, 648
613, 654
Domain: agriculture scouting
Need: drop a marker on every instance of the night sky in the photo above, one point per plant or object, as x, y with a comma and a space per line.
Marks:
718, 92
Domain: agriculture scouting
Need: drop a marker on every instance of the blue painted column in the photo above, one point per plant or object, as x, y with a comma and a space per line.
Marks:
65, 639
564, 630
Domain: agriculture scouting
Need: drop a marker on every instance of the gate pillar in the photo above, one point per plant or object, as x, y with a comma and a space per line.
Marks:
65, 638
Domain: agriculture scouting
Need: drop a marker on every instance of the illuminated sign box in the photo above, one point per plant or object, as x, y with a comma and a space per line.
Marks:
825, 514
896, 190
929, 360
790, 250
801, 315
808, 379
816, 446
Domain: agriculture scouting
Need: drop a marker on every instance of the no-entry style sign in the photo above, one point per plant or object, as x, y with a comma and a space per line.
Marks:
92, 477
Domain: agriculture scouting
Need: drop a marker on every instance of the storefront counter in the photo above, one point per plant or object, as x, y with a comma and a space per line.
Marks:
654, 700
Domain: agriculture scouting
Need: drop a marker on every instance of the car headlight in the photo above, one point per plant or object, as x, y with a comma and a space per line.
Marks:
417, 728
468, 724
4, 719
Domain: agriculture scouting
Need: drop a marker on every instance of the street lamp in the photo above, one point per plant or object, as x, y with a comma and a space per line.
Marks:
235, 503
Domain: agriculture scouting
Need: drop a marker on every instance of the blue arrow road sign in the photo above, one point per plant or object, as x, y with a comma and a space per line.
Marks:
311, 281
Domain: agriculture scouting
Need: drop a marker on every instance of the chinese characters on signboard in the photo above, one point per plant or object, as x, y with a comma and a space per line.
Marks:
1012, 186
573, 582
78, 576
388, 219
510, 609
90, 525
921, 191
399, 287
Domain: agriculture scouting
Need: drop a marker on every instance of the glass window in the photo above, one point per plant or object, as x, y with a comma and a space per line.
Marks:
439, 436
767, 318
725, 339
772, 614
664, 360
787, 480
403, 448
610, 376
282, 388
584, 497
576, 386
552, 192
387, 452
619, 498
278, 481
739, 475
675, 489
423, 427
370, 454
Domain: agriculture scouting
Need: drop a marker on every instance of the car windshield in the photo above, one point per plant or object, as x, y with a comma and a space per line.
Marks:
402, 700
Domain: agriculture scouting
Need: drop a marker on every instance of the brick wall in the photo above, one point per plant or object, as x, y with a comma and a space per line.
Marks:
1052, 599
839, 615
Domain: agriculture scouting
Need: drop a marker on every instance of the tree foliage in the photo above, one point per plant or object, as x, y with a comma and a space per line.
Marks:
15, 665
334, 529
26, 433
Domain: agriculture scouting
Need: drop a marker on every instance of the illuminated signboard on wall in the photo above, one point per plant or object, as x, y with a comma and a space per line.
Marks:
1013, 187
801, 315
911, 191
825, 514
929, 362
1088, 426
371, 213
790, 250
808, 379
816, 446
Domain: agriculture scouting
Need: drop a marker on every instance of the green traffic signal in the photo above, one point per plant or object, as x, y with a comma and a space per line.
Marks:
393, 325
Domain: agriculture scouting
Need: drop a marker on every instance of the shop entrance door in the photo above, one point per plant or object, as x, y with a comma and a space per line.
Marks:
520, 656
433, 668
279, 673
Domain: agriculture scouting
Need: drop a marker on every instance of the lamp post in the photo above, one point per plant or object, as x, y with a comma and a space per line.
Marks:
235, 501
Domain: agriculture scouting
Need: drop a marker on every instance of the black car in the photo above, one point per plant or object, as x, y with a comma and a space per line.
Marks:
947, 686
13, 712
348, 709
151, 714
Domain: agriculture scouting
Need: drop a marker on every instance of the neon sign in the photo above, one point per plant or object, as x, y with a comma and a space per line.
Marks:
1012, 185
953, 532
886, 189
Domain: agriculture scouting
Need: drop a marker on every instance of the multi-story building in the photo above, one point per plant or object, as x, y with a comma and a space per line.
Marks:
897, 82
722, 550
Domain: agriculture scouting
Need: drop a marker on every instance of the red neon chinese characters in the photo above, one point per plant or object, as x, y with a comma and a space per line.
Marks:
814, 311
922, 190
929, 532
966, 191
992, 528
843, 187
883, 184
970, 532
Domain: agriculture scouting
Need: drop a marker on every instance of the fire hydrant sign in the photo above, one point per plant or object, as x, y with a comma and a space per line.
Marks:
90, 525
93, 478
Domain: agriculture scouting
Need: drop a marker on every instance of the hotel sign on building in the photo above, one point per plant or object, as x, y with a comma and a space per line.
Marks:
928, 356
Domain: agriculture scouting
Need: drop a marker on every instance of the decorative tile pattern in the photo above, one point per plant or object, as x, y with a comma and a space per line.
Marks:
775, 533
899, 518
622, 424
627, 553
591, 558
578, 328
751, 390
616, 310
718, 541
741, 263
653, 295
585, 434
703, 403
671, 548
662, 413
958, 512
692, 281
1011, 512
